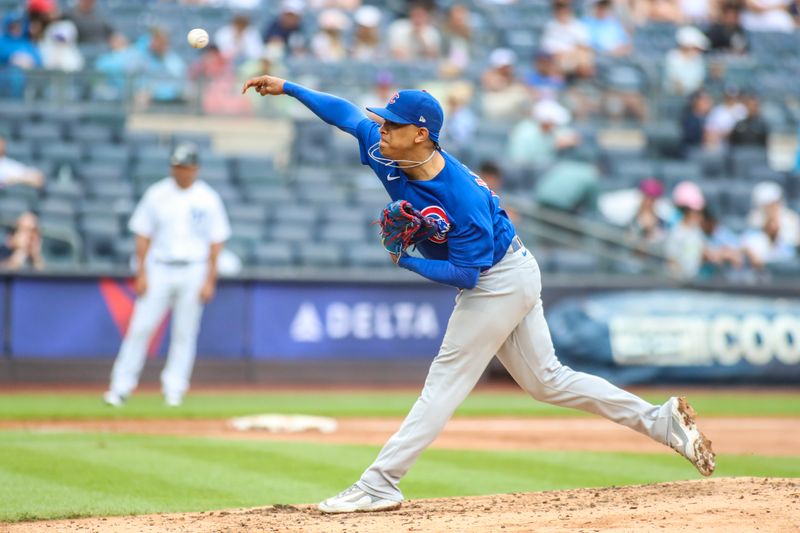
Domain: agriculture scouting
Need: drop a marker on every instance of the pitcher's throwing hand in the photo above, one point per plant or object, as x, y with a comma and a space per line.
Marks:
265, 85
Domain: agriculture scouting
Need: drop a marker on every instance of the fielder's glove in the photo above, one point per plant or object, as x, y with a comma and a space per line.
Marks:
403, 226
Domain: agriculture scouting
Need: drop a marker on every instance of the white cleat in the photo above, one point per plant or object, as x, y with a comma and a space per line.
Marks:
687, 440
355, 500
173, 400
113, 399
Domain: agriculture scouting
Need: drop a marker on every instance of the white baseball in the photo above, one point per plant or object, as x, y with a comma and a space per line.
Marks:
198, 38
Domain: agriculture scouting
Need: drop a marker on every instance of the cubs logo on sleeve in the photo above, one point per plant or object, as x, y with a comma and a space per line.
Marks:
437, 214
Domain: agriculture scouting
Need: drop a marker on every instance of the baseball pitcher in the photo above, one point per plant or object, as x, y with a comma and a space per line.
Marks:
468, 241
180, 226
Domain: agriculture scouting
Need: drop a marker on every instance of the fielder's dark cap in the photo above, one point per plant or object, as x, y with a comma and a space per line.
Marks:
185, 154
413, 107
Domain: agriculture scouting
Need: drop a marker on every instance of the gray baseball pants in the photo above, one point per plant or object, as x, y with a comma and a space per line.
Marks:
502, 315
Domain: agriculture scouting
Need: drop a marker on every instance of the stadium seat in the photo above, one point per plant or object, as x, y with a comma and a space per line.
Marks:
57, 209
247, 213
320, 255
66, 190
290, 232
111, 190
267, 194
367, 255
295, 214
276, 254
20, 150
143, 138
154, 153
112, 154
254, 169
322, 195
59, 253
100, 172
40, 132
742, 158
202, 140
674, 171
57, 153
11, 208
343, 233
242, 247
22, 192
89, 134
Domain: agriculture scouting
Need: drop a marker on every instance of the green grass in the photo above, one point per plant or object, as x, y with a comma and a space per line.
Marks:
63, 474
346, 404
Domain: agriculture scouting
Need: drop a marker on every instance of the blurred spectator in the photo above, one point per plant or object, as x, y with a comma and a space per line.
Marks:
286, 27
116, 64
40, 14
645, 11
161, 71
59, 47
346, 5
768, 205
727, 34
569, 186
693, 122
23, 248
457, 39
545, 82
721, 247
606, 33
685, 241
415, 37
764, 246
231, 4
219, 85
768, 15
752, 130
380, 92
537, 140
16, 49
269, 62
328, 45
212, 63
794, 11
722, 119
568, 40
684, 67
238, 40
491, 174
504, 96
92, 26
698, 12
647, 224
462, 122
12, 172
367, 42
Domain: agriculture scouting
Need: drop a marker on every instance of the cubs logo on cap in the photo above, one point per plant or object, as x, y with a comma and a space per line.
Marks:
413, 107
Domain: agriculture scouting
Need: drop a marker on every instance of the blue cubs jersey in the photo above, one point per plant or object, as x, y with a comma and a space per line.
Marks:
476, 231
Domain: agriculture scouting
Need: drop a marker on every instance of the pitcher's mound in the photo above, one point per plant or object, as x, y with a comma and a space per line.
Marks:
717, 504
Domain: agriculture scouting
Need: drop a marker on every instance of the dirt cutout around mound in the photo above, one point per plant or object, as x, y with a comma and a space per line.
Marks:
711, 505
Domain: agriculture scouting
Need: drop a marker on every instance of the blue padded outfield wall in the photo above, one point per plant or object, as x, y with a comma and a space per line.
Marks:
627, 335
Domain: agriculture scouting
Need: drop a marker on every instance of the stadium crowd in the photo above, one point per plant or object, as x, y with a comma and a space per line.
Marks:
527, 85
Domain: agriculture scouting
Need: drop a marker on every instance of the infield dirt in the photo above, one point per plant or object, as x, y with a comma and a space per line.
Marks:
712, 505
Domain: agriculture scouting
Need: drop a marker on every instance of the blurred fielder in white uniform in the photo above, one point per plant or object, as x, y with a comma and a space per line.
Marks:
180, 226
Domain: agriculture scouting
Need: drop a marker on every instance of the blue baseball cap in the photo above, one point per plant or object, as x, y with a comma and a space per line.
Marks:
413, 107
